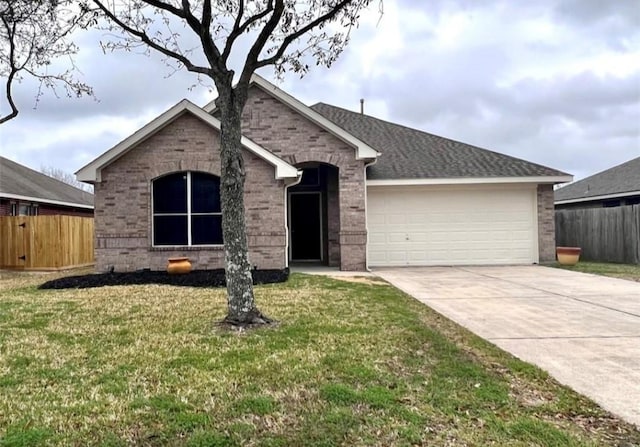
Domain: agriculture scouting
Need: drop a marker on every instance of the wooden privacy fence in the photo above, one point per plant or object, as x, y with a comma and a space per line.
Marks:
604, 234
45, 242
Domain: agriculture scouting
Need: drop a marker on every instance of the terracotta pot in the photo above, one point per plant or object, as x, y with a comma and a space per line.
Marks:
568, 255
178, 266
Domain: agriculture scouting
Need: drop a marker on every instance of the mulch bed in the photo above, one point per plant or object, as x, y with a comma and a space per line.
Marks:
197, 278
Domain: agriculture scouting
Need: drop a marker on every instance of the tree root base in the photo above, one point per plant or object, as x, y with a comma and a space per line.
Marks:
253, 320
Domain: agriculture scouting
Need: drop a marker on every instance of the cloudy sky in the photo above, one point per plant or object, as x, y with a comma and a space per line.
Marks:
556, 82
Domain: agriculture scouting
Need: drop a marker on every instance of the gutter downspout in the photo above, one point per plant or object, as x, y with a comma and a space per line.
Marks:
286, 217
366, 210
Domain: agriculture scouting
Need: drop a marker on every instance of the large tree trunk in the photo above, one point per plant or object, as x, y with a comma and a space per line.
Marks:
242, 310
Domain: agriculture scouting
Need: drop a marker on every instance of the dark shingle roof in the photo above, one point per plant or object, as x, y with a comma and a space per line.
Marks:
409, 153
620, 179
22, 181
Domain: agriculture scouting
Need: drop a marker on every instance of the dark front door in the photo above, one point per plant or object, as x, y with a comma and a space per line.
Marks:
305, 225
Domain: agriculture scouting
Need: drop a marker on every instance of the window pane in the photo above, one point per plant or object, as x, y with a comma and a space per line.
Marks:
170, 230
170, 194
205, 193
206, 230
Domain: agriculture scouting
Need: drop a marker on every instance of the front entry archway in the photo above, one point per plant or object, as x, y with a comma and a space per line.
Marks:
313, 216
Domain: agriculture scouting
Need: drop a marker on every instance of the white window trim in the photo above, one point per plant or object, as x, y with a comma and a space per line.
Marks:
188, 214
31, 209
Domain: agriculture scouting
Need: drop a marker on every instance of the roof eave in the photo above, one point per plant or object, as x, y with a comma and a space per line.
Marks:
470, 180
47, 201
596, 198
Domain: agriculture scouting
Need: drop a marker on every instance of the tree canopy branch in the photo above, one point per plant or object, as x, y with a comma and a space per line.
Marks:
239, 29
251, 62
144, 37
32, 35
305, 29
13, 70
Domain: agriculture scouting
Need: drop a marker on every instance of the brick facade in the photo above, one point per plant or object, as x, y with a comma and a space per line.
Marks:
5, 208
123, 197
123, 201
546, 224
50, 210
283, 131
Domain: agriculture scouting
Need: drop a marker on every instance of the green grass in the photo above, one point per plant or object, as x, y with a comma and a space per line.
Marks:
352, 364
624, 271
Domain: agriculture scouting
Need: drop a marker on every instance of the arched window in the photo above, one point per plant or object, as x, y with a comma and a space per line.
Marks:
186, 209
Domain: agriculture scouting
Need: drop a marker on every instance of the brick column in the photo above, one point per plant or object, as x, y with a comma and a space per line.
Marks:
546, 224
353, 233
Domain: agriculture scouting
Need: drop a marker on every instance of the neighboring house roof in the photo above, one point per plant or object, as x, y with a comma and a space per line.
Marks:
363, 150
620, 181
92, 172
410, 154
22, 183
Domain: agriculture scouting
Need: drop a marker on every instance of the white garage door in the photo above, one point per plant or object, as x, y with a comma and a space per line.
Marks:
436, 225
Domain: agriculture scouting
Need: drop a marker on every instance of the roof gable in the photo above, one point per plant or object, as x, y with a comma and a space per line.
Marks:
20, 182
91, 172
363, 150
413, 154
618, 181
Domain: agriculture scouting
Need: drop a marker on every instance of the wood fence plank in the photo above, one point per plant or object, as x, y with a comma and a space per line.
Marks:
46, 242
604, 234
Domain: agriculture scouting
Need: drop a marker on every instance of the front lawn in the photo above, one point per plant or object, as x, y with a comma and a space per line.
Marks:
624, 271
352, 363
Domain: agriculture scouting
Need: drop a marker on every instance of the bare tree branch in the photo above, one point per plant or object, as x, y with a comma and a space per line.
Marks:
238, 29
65, 177
299, 33
204, 33
13, 70
32, 35
148, 41
250, 64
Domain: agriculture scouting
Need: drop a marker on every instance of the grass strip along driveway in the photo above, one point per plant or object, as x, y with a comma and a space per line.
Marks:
351, 363
622, 271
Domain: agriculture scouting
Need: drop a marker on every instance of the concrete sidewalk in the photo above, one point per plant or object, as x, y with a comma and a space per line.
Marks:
583, 329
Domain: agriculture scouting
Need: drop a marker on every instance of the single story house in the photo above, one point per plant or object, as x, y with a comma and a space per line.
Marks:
323, 185
617, 186
25, 192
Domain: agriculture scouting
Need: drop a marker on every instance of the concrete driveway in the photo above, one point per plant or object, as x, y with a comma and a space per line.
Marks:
583, 329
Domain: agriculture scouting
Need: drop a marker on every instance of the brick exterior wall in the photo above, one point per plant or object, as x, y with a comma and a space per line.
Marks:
546, 224
291, 136
50, 210
123, 201
45, 209
123, 198
5, 208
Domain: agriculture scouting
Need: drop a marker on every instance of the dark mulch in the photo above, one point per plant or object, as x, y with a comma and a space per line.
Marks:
197, 278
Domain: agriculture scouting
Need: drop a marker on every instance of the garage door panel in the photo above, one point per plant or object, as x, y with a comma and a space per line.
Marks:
439, 226
396, 238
